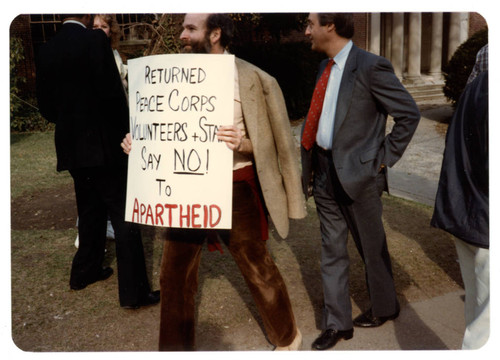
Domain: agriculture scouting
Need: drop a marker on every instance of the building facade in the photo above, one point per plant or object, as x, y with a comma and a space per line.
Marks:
417, 44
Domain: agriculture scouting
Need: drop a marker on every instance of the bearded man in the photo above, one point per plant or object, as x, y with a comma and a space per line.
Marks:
266, 180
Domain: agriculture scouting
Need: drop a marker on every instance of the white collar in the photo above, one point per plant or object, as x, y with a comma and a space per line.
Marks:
74, 22
341, 58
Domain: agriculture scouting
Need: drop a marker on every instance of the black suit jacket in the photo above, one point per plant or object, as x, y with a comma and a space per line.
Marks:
369, 92
79, 89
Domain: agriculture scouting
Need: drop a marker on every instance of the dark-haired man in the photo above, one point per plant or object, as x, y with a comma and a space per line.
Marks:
266, 177
345, 152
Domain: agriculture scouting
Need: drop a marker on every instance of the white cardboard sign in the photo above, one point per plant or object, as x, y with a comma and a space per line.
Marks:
179, 174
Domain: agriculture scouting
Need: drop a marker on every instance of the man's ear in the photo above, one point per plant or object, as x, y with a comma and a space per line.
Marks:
331, 27
215, 36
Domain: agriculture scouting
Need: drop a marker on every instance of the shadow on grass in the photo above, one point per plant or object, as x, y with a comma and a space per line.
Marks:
18, 137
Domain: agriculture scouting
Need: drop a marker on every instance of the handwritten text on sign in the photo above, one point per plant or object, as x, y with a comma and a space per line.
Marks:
179, 174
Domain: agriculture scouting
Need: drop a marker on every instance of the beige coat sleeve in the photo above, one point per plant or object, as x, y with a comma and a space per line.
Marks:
275, 155
286, 149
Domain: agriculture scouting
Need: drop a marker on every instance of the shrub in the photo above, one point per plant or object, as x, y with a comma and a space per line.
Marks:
24, 115
458, 69
260, 39
293, 65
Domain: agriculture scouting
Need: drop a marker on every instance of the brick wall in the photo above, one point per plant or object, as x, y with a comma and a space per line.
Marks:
476, 23
360, 37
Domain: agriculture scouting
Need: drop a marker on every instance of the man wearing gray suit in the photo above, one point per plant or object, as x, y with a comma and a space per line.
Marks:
345, 152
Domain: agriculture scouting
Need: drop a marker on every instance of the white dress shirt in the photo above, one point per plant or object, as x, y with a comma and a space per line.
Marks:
324, 136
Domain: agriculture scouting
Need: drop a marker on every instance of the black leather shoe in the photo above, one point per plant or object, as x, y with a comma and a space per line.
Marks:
330, 337
368, 320
151, 298
103, 275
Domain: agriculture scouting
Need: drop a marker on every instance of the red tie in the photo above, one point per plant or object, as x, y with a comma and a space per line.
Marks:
312, 121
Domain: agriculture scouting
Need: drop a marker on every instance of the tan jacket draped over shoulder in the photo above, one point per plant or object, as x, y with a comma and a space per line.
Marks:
275, 154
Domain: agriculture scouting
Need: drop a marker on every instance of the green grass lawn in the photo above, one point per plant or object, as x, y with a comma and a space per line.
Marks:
47, 316
33, 163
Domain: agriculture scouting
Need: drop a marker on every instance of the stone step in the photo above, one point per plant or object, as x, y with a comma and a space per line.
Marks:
426, 92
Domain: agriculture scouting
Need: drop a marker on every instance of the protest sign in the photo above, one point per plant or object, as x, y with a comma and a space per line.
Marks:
179, 174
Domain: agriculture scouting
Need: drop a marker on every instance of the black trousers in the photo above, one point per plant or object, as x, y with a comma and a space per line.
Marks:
338, 215
101, 191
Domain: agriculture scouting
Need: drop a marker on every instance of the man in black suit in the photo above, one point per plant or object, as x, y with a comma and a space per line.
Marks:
345, 152
79, 89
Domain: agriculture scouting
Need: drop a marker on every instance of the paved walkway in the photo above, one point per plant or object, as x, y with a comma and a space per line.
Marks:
415, 176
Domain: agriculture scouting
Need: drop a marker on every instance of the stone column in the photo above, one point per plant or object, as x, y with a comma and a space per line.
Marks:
414, 46
436, 46
397, 48
459, 24
464, 27
387, 35
374, 46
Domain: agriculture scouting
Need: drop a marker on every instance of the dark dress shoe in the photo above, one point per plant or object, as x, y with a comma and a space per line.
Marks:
151, 298
103, 275
368, 320
330, 337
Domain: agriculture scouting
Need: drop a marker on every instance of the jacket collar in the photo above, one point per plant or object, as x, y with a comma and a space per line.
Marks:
346, 88
74, 22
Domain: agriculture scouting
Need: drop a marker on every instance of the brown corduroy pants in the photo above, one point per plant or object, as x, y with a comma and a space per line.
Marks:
179, 277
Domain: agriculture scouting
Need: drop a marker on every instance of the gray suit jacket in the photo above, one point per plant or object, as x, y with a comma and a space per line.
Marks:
275, 154
369, 92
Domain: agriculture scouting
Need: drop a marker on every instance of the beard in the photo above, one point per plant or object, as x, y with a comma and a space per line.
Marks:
197, 46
